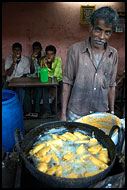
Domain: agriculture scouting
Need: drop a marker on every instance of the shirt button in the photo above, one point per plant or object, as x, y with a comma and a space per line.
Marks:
94, 88
91, 111
96, 74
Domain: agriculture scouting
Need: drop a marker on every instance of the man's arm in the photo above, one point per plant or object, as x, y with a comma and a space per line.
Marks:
33, 56
11, 69
32, 69
65, 98
111, 98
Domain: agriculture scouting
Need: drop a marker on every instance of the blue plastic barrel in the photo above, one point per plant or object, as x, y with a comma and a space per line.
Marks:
12, 118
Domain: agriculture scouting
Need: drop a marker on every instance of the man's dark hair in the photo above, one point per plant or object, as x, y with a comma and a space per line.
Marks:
37, 44
109, 15
50, 48
17, 45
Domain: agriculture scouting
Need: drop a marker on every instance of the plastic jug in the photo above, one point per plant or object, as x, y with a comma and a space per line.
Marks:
43, 74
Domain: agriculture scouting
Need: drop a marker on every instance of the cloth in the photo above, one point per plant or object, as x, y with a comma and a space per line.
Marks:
72, 116
90, 83
23, 67
37, 94
36, 66
46, 105
56, 69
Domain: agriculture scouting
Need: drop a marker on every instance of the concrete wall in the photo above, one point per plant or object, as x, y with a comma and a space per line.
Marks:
56, 23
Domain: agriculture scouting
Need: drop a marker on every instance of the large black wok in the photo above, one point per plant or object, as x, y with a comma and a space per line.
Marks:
23, 146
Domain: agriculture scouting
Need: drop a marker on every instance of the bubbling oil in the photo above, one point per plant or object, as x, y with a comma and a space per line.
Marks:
74, 165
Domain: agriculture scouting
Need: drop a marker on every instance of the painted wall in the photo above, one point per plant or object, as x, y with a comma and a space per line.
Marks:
56, 23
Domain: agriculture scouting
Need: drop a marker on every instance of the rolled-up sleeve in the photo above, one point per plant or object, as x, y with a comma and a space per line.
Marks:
69, 71
8, 62
114, 70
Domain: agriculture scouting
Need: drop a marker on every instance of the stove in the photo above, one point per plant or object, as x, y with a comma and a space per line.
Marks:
16, 175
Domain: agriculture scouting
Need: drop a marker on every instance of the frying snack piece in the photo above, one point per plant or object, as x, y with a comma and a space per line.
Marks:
84, 157
103, 155
67, 168
73, 175
67, 156
54, 136
42, 167
52, 170
69, 136
72, 136
55, 158
45, 158
80, 149
62, 138
93, 141
56, 142
80, 135
59, 171
88, 174
98, 162
43, 151
36, 148
82, 141
95, 149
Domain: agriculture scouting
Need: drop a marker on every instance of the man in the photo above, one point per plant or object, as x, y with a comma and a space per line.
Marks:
16, 65
90, 72
54, 65
36, 92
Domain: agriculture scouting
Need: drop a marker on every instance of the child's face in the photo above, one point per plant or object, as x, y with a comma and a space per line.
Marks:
50, 56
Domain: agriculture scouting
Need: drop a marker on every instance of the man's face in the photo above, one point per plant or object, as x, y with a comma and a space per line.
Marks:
17, 52
37, 50
100, 34
50, 56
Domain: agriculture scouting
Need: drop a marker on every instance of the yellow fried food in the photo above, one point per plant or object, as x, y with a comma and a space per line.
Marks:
55, 158
103, 155
45, 158
67, 168
84, 157
43, 167
62, 138
88, 174
80, 135
69, 136
53, 136
80, 149
98, 162
72, 136
67, 156
95, 149
72, 175
56, 142
93, 141
36, 148
43, 151
59, 171
52, 170
81, 141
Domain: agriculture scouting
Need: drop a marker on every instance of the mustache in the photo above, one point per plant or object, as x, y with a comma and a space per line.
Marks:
99, 40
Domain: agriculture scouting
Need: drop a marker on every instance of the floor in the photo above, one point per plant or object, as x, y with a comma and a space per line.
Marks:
32, 123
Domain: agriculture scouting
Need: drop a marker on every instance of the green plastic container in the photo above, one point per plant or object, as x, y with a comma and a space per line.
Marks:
43, 74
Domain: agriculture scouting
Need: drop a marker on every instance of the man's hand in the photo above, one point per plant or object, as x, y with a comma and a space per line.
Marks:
44, 61
14, 58
34, 55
